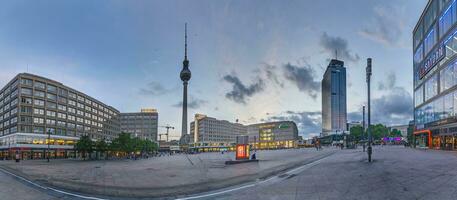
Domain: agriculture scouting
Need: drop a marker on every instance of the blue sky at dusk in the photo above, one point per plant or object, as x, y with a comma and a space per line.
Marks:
250, 60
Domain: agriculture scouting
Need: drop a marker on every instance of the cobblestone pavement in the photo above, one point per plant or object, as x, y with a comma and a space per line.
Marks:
160, 176
396, 173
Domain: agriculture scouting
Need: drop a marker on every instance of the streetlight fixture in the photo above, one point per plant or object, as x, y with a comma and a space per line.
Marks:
368, 72
49, 141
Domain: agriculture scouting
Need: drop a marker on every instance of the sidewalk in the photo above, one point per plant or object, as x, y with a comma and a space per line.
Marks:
160, 176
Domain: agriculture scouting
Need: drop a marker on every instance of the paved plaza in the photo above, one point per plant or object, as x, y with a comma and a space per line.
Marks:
396, 173
159, 176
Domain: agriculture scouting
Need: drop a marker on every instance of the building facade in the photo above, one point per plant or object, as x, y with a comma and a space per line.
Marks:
273, 135
334, 113
211, 134
31, 107
435, 76
142, 124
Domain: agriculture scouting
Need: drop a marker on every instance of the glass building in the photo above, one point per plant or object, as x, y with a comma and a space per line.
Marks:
435, 76
334, 113
141, 124
31, 107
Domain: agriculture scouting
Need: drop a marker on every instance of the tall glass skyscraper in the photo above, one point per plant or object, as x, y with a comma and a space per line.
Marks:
435, 76
334, 113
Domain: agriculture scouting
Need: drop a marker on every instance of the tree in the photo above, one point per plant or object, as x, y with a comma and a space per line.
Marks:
357, 132
395, 133
84, 146
101, 146
123, 143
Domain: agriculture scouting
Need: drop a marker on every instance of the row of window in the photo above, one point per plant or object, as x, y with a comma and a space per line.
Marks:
441, 108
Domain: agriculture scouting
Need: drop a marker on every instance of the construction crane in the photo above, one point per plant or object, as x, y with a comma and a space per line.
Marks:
168, 127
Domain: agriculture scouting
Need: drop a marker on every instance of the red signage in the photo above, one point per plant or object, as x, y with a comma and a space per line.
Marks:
242, 151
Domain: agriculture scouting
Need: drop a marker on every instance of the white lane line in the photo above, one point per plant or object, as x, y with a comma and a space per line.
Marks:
50, 188
258, 183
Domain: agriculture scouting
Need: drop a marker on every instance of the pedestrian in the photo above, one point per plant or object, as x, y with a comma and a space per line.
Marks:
17, 156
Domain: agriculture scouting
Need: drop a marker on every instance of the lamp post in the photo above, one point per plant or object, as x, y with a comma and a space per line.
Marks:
363, 127
49, 141
368, 72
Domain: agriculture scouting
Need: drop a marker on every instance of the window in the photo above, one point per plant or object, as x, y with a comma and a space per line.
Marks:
13, 102
37, 111
26, 100
80, 105
50, 113
418, 35
25, 109
447, 19
38, 102
38, 129
26, 91
13, 120
71, 102
39, 94
448, 76
449, 105
38, 120
51, 122
430, 40
431, 87
80, 98
27, 82
62, 107
430, 15
51, 131
26, 119
72, 95
51, 96
71, 110
40, 85
52, 88
71, 117
13, 111
61, 115
418, 56
62, 99
63, 92
51, 105
61, 124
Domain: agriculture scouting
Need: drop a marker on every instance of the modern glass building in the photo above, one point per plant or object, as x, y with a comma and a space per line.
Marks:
273, 135
31, 107
435, 76
142, 124
334, 113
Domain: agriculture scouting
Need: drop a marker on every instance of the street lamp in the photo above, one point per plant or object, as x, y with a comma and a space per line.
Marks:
49, 141
368, 72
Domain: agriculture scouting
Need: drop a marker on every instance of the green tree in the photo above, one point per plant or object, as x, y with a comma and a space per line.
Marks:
357, 132
101, 147
395, 133
379, 131
123, 143
84, 146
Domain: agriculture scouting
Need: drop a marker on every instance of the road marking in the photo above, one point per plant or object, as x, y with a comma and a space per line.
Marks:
297, 170
50, 188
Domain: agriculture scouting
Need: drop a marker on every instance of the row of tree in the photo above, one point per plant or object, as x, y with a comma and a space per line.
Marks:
378, 131
124, 144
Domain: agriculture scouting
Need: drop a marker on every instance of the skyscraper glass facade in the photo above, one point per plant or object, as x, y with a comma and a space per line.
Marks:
435, 76
334, 113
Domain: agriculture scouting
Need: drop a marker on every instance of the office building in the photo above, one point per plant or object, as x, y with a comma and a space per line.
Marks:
334, 114
31, 107
142, 124
435, 76
273, 135
211, 134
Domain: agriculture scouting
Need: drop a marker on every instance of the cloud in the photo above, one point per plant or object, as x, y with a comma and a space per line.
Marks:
330, 44
240, 92
270, 72
303, 78
389, 82
154, 89
393, 108
386, 27
308, 123
192, 103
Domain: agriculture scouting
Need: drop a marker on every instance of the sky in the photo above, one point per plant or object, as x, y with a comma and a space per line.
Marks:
254, 61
